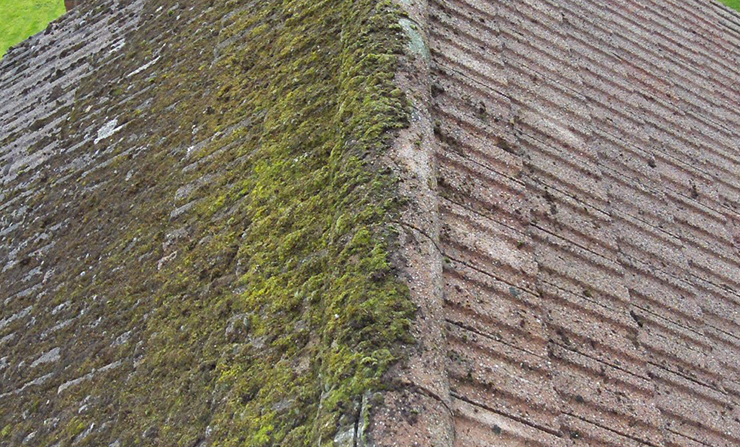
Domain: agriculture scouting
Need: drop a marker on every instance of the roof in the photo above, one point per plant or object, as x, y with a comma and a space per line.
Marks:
589, 165
251, 223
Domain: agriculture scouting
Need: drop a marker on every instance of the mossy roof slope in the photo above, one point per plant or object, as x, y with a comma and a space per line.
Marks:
195, 223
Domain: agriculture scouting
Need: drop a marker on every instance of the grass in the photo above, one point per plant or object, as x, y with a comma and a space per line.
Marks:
735, 4
24, 18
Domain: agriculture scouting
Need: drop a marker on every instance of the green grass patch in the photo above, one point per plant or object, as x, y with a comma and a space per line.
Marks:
24, 18
734, 4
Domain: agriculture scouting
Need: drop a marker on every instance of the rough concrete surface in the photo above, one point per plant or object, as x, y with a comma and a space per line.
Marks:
570, 233
589, 172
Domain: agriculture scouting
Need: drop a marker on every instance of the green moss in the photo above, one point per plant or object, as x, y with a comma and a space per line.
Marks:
75, 427
318, 285
280, 308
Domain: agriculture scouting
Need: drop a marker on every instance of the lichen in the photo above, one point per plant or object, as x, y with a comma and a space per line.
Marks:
280, 308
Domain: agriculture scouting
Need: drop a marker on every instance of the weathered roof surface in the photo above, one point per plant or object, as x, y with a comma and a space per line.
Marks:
589, 172
191, 252
39, 79
195, 223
